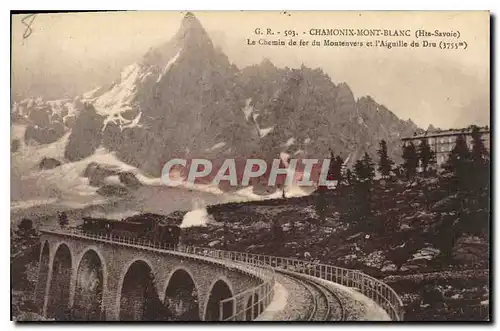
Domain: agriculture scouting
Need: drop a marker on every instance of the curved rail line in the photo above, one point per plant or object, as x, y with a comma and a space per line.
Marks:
374, 289
335, 305
327, 306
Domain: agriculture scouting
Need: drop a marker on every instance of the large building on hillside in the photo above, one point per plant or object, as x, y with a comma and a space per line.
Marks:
443, 141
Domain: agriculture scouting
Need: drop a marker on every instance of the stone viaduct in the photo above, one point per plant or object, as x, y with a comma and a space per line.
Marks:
83, 278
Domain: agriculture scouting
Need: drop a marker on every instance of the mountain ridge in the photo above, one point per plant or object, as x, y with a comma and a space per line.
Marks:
184, 98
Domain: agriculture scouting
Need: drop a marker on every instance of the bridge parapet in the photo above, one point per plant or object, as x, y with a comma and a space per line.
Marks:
239, 302
250, 303
378, 291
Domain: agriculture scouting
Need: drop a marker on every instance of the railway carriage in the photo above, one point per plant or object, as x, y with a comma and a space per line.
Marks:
146, 227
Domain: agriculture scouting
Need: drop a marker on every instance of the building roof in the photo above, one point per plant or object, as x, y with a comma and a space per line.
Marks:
446, 133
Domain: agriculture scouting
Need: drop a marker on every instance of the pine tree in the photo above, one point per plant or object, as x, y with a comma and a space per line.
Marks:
359, 170
25, 229
410, 160
339, 162
349, 177
360, 201
332, 167
364, 168
320, 203
426, 155
385, 163
63, 219
460, 159
480, 176
369, 166
479, 154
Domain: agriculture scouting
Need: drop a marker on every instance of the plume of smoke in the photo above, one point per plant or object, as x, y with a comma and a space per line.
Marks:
198, 216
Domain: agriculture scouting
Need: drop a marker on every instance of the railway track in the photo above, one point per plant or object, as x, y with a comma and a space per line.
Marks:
326, 306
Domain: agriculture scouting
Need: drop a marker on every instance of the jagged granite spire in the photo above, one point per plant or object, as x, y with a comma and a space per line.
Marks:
190, 38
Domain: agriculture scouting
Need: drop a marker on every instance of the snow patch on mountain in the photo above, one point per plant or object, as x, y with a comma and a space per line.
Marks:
289, 142
122, 94
265, 132
92, 94
169, 64
29, 155
248, 109
216, 146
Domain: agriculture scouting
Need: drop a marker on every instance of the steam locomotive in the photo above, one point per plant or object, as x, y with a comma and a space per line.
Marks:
145, 226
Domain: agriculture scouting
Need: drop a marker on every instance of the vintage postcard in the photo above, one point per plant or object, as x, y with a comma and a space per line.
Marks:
250, 166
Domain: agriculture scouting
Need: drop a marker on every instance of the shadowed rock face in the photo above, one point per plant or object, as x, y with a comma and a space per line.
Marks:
85, 136
49, 163
97, 173
14, 145
113, 191
44, 135
129, 180
184, 99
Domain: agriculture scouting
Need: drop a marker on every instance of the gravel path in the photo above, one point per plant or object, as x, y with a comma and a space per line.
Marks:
299, 300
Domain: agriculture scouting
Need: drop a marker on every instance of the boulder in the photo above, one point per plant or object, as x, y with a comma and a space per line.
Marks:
375, 259
391, 267
129, 180
49, 163
96, 173
110, 180
410, 267
113, 190
214, 243
252, 248
404, 227
261, 225
427, 253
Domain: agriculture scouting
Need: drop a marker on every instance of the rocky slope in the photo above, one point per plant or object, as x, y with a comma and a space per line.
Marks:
403, 244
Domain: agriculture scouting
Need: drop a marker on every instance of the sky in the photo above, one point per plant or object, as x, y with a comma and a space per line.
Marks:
70, 53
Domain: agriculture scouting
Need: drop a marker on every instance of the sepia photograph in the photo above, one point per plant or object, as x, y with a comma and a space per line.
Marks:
250, 166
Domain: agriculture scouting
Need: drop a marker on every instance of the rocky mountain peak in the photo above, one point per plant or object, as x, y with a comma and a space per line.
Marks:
190, 40
191, 23
192, 34
184, 98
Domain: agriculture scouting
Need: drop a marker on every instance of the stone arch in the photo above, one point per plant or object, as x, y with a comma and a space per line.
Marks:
60, 284
252, 309
137, 296
220, 289
181, 295
43, 275
90, 282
